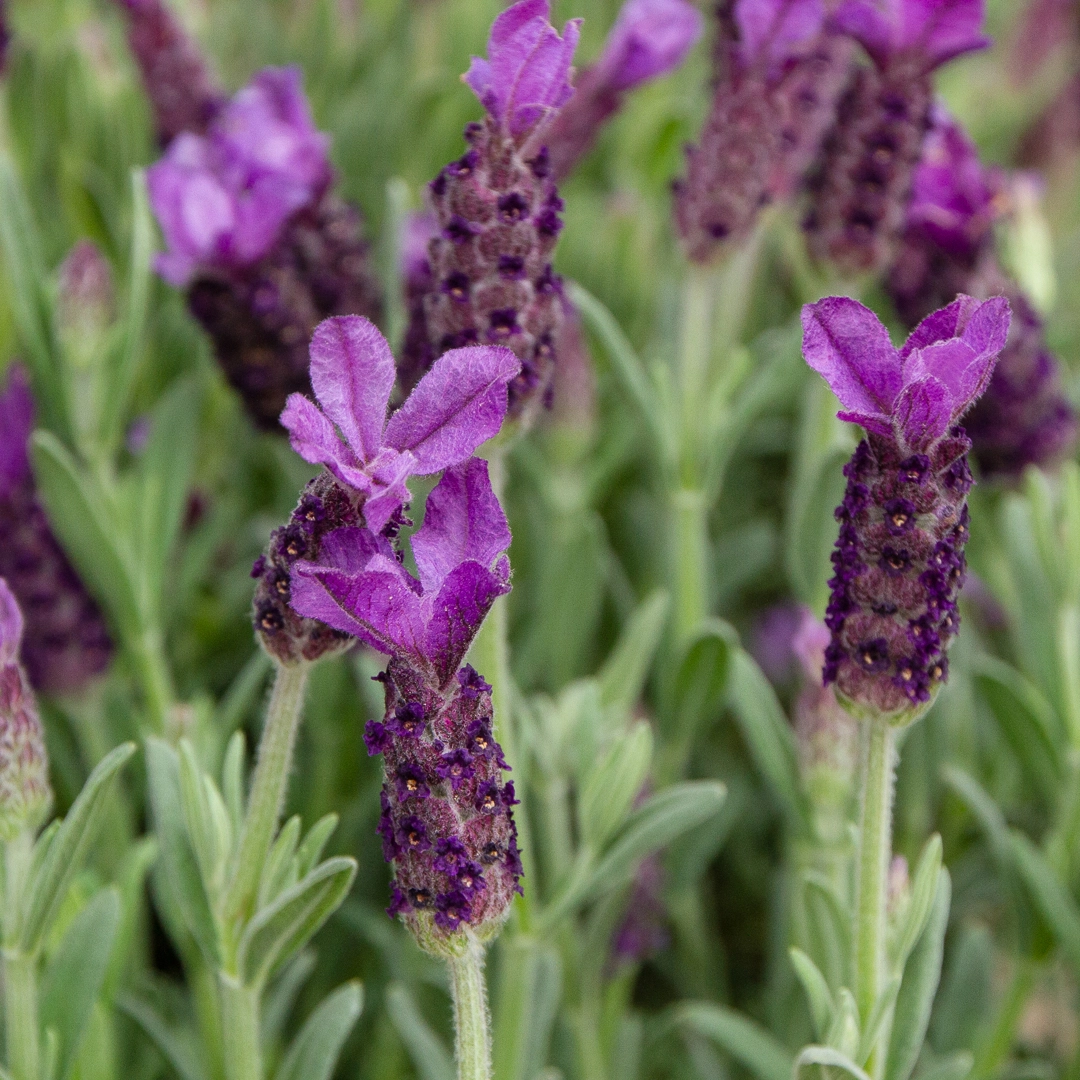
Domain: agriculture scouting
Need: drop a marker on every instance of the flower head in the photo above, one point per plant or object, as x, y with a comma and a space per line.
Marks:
930, 31
914, 394
526, 76
224, 197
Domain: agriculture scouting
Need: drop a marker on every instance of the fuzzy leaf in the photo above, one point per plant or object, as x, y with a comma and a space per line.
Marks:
826, 1063
1052, 899
314, 1051
747, 1042
429, 1055
817, 991
613, 785
623, 675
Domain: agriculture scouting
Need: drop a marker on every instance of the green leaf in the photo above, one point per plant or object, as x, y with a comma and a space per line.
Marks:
826, 1063
314, 1051
66, 851
76, 972
822, 1007
701, 680
311, 849
623, 675
1026, 719
178, 863
923, 892
280, 996
1051, 897
87, 527
202, 819
747, 1042
882, 1012
530, 983
232, 781
922, 974
279, 862
613, 785
829, 923
768, 735
429, 1055
179, 1047
282, 928
953, 1067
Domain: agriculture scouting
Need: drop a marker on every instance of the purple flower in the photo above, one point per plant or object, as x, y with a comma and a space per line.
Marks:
899, 557
527, 74
649, 39
359, 587
24, 769
932, 31
223, 198
772, 33
915, 394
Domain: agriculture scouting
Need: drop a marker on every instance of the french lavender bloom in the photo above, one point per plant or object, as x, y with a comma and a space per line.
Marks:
498, 212
649, 39
183, 92
860, 191
65, 643
25, 794
457, 406
446, 822
899, 558
255, 235
772, 105
1024, 418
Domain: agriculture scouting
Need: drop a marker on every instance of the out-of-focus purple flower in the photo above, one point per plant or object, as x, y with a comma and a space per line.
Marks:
526, 76
643, 932
649, 39
66, 643
774, 33
25, 794
86, 298
457, 406
417, 281
223, 198
5, 36
899, 558
771, 641
446, 821
184, 94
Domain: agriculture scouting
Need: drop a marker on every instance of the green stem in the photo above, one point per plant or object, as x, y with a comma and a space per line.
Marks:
695, 354
472, 1039
154, 676
267, 789
240, 1030
690, 560
21, 1016
1068, 646
875, 847
995, 1048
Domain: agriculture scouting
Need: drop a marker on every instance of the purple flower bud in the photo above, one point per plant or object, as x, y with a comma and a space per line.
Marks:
643, 932
25, 794
649, 39
66, 643
86, 298
899, 557
185, 96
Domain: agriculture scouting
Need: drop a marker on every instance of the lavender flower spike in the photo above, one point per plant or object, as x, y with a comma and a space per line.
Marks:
497, 213
865, 177
457, 406
649, 39
446, 823
899, 558
24, 769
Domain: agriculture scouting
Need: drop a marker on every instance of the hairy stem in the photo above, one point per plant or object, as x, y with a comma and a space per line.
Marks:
875, 847
690, 560
21, 1015
267, 788
240, 1030
472, 1039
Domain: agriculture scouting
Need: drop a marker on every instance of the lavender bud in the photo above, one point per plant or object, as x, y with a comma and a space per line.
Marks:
643, 932
25, 795
86, 304
185, 96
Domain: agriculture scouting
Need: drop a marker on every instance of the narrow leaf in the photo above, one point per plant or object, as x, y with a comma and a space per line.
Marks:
1051, 897
826, 1063
818, 995
429, 1055
315, 1049
623, 675
749, 1043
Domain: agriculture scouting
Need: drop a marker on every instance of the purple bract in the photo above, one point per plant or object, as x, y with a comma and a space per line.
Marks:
649, 38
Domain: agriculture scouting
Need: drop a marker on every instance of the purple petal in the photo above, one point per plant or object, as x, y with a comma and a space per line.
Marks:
313, 437
773, 31
941, 29
11, 626
940, 325
352, 374
876, 422
463, 521
847, 345
649, 38
459, 404
16, 423
924, 412
463, 601
352, 548
870, 24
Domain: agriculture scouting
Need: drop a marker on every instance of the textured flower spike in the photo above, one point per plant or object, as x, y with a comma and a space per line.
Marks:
65, 642
770, 110
185, 96
899, 558
649, 39
25, 794
498, 213
446, 820
1024, 418
255, 235
861, 190
457, 406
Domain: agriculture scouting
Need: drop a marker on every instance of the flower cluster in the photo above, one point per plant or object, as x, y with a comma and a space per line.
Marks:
860, 191
66, 642
446, 819
948, 247
899, 557
783, 72
497, 212
457, 406
24, 769
258, 239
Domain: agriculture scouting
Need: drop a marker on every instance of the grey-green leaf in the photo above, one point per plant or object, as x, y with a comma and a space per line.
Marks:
623, 675
817, 991
429, 1055
1052, 899
826, 1063
179, 1047
749, 1043
314, 1051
